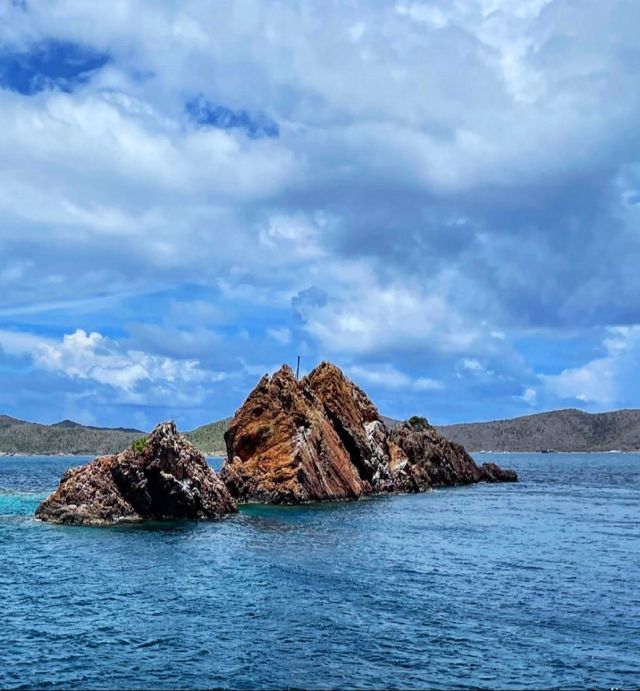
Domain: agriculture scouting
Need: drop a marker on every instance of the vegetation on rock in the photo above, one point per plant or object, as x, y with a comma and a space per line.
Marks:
418, 422
139, 445
210, 438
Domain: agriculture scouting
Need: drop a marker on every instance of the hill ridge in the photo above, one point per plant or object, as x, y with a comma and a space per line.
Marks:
69, 437
567, 429
72, 424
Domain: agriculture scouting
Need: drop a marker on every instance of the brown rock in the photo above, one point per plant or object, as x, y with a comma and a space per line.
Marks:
322, 438
282, 449
425, 459
357, 422
165, 478
494, 473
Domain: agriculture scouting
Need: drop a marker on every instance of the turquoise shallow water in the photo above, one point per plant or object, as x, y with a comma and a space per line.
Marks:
513, 586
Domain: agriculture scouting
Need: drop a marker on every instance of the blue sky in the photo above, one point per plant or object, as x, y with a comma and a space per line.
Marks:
441, 197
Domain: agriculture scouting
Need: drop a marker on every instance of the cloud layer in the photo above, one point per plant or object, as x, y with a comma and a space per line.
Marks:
442, 197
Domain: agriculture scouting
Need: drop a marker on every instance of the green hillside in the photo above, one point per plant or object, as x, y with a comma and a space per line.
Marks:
210, 438
68, 437
19, 437
561, 430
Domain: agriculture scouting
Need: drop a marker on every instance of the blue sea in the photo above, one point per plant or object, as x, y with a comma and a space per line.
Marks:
530, 585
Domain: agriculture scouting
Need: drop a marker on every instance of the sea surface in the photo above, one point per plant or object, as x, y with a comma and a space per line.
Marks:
530, 585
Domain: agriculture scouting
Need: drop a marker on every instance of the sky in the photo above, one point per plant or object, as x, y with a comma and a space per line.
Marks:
441, 197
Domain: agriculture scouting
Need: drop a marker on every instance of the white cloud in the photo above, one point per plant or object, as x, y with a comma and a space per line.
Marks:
426, 384
154, 155
369, 317
530, 396
472, 364
356, 109
605, 380
91, 356
294, 236
389, 377
281, 335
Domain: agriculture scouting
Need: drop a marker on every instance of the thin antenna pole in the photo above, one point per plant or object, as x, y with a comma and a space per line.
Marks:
298, 369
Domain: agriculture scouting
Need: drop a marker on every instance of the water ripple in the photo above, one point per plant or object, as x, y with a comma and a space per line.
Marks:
521, 586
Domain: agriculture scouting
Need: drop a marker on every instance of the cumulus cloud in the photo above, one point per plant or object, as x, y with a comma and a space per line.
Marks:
605, 380
92, 356
411, 183
295, 236
472, 364
390, 377
530, 396
368, 139
391, 316
282, 335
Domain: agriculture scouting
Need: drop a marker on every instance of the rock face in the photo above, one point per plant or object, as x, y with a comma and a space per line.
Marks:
422, 459
283, 449
163, 478
357, 422
322, 438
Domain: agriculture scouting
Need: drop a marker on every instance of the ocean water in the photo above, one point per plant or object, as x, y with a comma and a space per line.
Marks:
530, 585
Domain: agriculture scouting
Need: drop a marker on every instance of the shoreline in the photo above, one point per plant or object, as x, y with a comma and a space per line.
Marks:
221, 454
556, 453
93, 454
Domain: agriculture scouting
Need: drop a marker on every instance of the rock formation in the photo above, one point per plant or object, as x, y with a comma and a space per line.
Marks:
322, 438
422, 458
357, 422
161, 478
283, 449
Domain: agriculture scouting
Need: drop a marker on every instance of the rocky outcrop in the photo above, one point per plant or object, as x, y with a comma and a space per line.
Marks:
322, 438
161, 478
357, 422
422, 459
282, 448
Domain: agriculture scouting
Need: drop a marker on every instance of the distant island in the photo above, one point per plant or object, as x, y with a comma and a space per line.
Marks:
71, 438
558, 430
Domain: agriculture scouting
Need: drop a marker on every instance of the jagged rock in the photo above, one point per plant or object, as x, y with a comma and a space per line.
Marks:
165, 478
357, 422
423, 459
322, 438
282, 449
494, 473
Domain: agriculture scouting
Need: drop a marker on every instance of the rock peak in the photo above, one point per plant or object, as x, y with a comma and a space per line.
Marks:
160, 477
165, 433
323, 438
165, 436
165, 429
284, 374
327, 367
